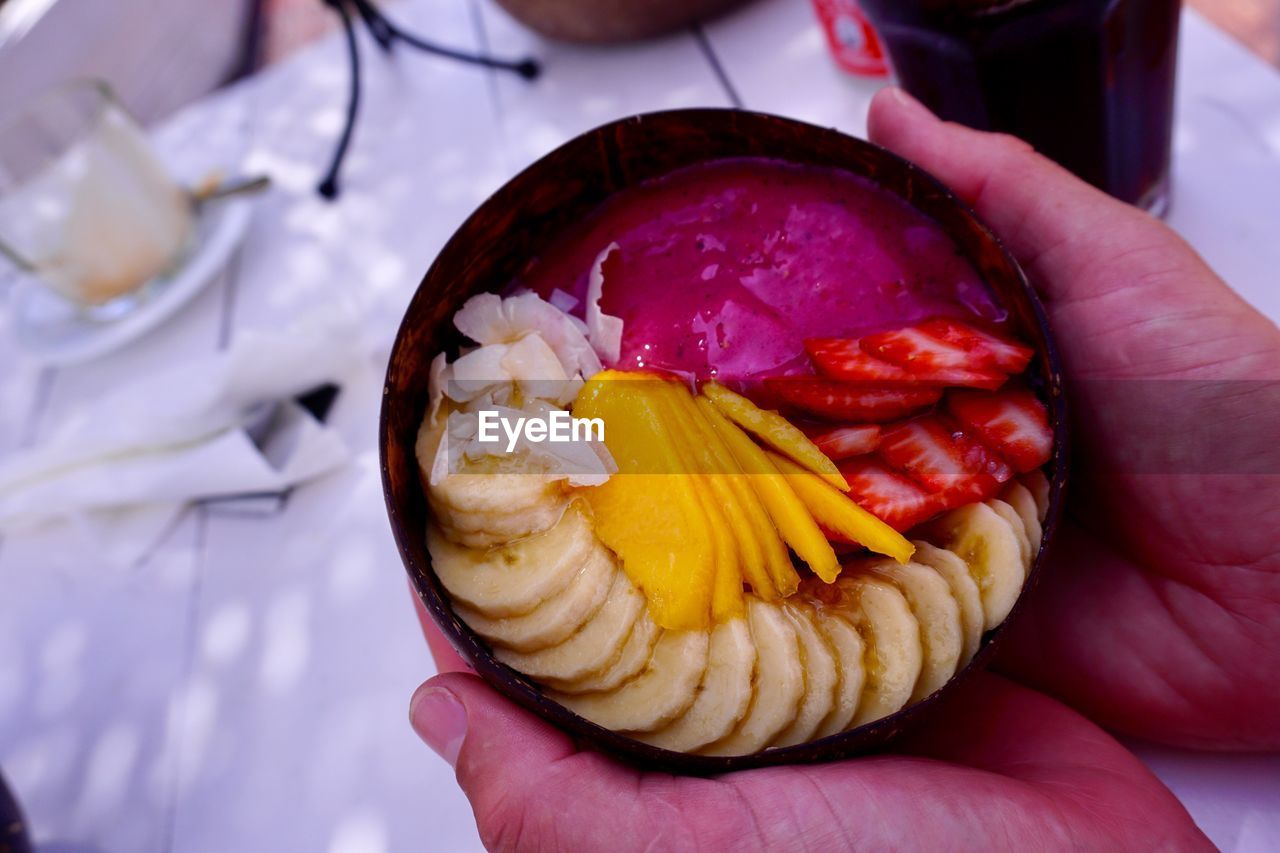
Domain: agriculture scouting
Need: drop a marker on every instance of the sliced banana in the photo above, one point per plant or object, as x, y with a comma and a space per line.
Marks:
1038, 484
778, 685
481, 492
597, 644
941, 637
466, 521
492, 502
1020, 498
894, 654
629, 664
847, 645
820, 678
515, 578
488, 531
526, 572
664, 691
723, 696
964, 589
558, 618
987, 544
1009, 514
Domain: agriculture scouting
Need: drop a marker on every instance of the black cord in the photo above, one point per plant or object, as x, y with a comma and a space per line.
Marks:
386, 33
329, 185
378, 26
526, 68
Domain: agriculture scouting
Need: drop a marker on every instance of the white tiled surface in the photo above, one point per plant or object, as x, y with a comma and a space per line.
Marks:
245, 687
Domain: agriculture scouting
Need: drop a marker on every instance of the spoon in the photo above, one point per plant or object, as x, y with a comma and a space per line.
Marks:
207, 191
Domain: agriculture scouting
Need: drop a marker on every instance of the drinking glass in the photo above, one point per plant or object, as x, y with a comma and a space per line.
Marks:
86, 208
1089, 83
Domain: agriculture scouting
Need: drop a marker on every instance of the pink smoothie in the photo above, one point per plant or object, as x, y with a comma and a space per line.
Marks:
726, 268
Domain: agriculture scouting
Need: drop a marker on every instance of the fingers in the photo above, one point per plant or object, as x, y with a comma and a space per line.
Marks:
532, 789
1000, 762
1174, 464
529, 786
1127, 297
507, 739
997, 764
1065, 232
994, 724
1192, 673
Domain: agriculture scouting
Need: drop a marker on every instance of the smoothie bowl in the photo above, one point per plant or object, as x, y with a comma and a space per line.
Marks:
720, 440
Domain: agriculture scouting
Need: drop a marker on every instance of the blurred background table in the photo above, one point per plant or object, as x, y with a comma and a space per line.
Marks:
244, 686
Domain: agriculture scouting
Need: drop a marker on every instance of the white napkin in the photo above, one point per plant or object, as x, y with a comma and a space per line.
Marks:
128, 462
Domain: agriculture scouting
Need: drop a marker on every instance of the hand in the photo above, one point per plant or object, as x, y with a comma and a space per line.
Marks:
1159, 614
1010, 766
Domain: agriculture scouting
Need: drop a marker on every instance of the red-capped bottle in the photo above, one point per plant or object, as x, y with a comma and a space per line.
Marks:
854, 43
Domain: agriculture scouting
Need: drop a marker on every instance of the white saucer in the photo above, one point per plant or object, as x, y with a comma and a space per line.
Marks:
51, 331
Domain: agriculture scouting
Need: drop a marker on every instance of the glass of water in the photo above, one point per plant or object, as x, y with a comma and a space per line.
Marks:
86, 207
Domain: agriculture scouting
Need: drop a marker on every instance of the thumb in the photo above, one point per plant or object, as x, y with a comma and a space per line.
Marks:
526, 781
474, 729
1127, 296
1066, 233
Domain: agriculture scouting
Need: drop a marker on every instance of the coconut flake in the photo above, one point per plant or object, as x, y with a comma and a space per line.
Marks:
481, 319
534, 367
582, 463
440, 464
477, 372
566, 302
503, 394
490, 319
437, 378
604, 331
606, 461
491, 373
531, 357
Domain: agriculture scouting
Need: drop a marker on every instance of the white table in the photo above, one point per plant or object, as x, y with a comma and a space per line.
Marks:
245, 686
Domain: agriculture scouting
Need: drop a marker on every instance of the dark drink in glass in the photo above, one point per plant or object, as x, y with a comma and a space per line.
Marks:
1087, 82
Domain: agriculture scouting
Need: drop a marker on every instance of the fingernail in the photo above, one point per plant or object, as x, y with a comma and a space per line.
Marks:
440, 720
907, 100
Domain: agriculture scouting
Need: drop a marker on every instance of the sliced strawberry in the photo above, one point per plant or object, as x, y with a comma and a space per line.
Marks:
845, 359
930, 359
896, 500
995, 351
1012, 422
986, 380
841, 544
845, 401
923, 449
918, 351
846, 441
976, 455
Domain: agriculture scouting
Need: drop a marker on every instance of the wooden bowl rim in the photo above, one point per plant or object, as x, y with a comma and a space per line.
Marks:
524, 691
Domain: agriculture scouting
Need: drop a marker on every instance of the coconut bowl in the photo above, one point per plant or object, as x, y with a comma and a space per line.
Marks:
509, 231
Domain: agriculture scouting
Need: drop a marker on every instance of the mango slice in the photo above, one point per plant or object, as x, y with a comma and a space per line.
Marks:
789, 514
838, 513
776, 431
758, 542
713, 492
653, 520
698, 509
